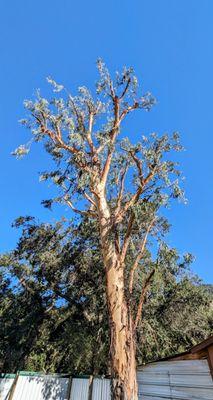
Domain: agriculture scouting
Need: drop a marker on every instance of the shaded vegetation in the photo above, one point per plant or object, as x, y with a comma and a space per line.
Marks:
53, 303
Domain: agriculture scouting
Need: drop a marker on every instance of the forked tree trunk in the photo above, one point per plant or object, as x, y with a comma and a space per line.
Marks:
122, 347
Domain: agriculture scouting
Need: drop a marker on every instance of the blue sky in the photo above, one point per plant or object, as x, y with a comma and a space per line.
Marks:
169, 43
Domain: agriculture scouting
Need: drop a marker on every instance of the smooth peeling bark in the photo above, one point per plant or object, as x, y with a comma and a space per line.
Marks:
122, 340
122, 346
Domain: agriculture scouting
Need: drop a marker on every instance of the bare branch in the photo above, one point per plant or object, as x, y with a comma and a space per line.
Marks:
139, 166
134, 199
78, 115
120, 194
129, 109
150, 175
89, 199
125, 89
112, 91
57, 139
139, 256
143, 297
89, 133
106, 168
77, 211
113, 135
58, 131
127, 237
101, 147
117, 121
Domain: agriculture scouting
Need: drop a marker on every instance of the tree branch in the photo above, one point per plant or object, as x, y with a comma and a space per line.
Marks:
143, 297
139, 166
101, 147
150, 175
57, 139
120, 194
139, 256
89, 199
125, 89
117, 120
113, 135
112, 91
79, 117
129, 109
127, 237
77, 211
89, 133
134, 199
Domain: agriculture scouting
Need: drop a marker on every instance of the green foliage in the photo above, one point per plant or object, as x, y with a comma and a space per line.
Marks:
76, 131
177, 316
53, 305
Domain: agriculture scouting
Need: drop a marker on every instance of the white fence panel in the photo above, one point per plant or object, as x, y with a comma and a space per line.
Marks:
41, 388
101, 389
5, 386
80, 389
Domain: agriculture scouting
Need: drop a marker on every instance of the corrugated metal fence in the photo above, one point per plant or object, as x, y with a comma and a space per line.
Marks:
31, 386
185, 380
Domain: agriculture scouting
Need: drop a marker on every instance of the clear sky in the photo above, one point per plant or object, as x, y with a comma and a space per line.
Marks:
170, 45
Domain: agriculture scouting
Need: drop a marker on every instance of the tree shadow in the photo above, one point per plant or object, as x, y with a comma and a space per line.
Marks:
49, 387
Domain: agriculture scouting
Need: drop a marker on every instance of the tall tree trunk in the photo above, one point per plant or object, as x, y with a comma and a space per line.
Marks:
122, 347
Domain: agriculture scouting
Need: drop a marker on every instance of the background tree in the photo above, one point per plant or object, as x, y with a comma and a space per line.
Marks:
53, 303
121, 185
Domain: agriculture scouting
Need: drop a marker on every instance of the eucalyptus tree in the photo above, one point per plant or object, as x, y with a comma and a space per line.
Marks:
121, 185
